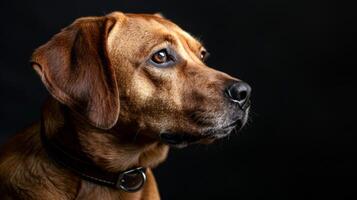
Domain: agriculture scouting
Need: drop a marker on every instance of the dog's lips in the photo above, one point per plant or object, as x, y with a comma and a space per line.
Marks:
184, 139
206, 137
179, 138
238, 123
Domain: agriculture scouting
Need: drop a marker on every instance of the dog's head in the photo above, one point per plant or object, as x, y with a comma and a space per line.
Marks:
144, 74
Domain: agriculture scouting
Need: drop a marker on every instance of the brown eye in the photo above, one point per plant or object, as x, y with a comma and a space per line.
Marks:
204, 54
160, 57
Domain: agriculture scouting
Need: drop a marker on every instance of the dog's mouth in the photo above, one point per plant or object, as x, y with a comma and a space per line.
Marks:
208, 136
180, 139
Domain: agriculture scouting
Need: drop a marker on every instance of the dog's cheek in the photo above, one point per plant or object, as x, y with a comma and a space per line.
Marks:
142, 90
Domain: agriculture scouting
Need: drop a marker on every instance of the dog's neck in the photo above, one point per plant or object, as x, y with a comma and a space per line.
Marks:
110, 150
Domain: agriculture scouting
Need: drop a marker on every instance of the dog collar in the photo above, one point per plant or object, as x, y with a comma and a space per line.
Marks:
130, 180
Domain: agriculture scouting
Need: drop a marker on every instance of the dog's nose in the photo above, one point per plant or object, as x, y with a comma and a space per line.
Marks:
239, 92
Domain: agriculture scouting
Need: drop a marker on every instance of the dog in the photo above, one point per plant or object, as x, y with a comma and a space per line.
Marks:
123, 89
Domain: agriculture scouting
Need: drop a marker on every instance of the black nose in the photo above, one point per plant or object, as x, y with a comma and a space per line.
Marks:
239, 92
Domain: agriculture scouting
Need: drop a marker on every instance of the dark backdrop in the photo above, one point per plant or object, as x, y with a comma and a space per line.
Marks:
298, 57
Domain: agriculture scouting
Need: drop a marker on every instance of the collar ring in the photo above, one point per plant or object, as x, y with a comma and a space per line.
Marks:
131, 180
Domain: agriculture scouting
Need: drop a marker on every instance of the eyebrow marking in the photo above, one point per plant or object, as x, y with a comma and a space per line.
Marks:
191, 45
145, 49
163, 39
170, 39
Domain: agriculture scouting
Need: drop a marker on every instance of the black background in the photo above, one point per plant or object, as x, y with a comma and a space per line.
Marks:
297, 55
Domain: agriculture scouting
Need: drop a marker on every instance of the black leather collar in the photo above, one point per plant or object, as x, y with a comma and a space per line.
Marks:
130, 180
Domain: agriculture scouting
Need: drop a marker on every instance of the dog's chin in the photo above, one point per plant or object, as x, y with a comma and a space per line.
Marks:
181, 140
207, 136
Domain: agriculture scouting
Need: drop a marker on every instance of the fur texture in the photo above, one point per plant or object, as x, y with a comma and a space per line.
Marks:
109, 104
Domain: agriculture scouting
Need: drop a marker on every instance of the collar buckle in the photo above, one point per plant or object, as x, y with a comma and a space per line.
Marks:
131, 180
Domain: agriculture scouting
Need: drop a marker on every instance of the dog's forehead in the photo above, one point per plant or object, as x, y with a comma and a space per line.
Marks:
147, 29
155, 21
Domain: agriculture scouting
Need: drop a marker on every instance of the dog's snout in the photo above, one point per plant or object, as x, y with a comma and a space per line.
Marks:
239, 92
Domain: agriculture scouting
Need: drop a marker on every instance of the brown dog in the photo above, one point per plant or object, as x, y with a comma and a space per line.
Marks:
123, 88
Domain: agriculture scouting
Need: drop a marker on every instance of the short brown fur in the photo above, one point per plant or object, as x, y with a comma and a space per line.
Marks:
107, 104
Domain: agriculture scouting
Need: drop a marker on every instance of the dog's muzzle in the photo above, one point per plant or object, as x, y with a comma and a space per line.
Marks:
238, 94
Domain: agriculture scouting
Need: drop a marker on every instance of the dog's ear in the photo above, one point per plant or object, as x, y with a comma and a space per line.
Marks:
75, 68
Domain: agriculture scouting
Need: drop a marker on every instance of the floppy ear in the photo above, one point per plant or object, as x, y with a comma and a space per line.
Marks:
75, 68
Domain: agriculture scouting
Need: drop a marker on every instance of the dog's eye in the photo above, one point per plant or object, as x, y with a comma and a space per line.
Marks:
160, 57
163, 58
204, 55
